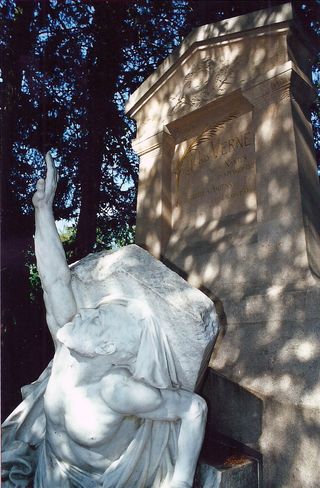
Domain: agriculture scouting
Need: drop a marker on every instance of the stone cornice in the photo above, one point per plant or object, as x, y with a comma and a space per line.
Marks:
261, 22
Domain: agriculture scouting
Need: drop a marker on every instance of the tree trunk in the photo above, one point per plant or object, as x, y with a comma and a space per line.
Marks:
102, 117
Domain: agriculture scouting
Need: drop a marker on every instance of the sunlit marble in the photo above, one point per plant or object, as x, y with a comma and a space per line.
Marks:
114, 408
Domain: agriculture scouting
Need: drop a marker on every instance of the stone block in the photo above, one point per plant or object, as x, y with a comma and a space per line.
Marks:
186, 315
242, 474
232, 411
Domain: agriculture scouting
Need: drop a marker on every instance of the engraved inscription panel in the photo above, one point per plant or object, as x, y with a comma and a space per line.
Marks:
214, 173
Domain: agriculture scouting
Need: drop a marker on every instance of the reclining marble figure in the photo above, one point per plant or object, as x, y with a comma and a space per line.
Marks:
116, 407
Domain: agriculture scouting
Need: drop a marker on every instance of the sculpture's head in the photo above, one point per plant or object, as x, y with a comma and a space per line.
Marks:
112, 328
124, 332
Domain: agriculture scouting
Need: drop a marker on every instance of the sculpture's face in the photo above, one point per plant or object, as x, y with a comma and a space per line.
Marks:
108, 330
83, 332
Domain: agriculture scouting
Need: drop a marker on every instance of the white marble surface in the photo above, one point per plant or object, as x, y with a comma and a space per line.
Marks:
115, 408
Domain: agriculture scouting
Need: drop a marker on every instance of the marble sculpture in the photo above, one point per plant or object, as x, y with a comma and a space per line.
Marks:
116, 407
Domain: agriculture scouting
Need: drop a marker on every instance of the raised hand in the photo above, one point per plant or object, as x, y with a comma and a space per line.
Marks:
46, 188
51, 260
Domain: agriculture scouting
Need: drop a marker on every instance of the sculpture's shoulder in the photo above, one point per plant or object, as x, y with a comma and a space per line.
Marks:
113, 384
127, 396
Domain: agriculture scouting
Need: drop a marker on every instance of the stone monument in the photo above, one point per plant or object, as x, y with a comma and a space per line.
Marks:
116, 407
229, 195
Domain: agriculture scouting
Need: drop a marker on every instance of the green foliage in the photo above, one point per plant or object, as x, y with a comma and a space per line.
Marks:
114, 240
34, 280
68, 239
125, 237
35, 290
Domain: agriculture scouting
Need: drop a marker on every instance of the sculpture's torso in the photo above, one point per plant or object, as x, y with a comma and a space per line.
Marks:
80, 424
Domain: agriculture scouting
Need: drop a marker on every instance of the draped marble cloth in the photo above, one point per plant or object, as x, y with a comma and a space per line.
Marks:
147, 462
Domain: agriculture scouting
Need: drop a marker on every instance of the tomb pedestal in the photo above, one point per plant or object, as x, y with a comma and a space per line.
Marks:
229, 196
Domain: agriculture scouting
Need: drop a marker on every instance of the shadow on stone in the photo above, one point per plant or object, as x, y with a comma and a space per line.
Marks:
232, 410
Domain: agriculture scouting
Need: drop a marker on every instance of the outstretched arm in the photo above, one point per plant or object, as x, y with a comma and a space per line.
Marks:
130, 397
51, 261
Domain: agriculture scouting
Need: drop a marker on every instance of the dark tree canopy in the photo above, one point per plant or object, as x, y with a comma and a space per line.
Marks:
67, 69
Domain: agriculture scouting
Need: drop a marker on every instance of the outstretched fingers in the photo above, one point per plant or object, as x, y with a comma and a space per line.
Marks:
46, 188
51, 177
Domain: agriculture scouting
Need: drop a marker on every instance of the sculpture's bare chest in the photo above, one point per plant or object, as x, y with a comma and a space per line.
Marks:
79, 413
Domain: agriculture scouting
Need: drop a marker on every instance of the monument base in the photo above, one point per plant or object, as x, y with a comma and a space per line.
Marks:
244, 475
229, 195
263, 389
222, 466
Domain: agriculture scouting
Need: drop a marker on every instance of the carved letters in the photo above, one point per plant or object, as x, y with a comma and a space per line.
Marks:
218, 167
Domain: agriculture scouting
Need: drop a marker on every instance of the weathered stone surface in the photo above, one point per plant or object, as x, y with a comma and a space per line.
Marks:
181, 310
229, 194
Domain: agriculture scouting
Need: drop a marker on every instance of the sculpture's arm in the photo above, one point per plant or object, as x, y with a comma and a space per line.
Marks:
51, 261
191, 410
130, 397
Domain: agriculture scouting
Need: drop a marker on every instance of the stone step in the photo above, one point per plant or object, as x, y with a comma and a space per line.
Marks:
224, 463
239, 473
